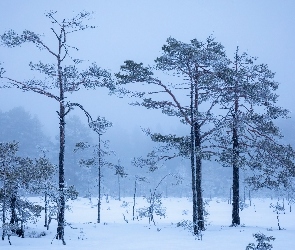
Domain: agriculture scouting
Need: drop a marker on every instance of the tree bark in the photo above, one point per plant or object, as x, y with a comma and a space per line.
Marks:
193, 169
199, 191
45, 209
62, 114
198, 159
13, 218
61, 212
236, 184
4, 202
235, 163
99, 179
236, 177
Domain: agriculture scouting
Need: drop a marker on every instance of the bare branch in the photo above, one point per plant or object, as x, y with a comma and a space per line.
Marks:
25, 87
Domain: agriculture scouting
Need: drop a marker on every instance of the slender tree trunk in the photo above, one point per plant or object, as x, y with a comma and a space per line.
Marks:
119, 186
61, 212
4, 203
199, 191
193, 169
99, 180
134, 195
62, 114
3, 215
45, 209
198, 159
236, 172
236, 185
13, 218
278, 221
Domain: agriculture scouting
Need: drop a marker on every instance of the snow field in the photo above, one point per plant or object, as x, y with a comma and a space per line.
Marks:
115, 233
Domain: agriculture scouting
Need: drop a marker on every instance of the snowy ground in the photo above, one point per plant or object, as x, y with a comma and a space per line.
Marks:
115, 233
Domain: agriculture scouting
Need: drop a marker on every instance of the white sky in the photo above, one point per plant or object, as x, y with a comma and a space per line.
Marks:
134, 29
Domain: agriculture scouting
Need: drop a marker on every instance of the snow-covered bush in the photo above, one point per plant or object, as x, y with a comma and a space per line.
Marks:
186, 224
154, 208
35, 234
262, 242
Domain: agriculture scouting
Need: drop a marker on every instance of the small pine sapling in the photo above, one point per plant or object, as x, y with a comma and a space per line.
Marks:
262, 242
154, 207
120, 172
278, 209
137, 179
154, 203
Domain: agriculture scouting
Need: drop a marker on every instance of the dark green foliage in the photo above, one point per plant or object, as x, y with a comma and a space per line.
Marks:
134, 72
247, 136
262, 242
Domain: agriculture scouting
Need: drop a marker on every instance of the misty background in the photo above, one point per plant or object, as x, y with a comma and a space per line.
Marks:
136, 30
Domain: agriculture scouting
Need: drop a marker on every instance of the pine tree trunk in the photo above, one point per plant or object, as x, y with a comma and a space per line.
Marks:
198, 159
199, 191
99, 179
62, 114
13, 218
4, 203
45, 209
61, 212
236, 177
236, 197
134, 196
236, 184
193, 169
119, 186
3, 215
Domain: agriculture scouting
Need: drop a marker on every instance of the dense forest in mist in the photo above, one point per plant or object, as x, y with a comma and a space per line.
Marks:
20, 126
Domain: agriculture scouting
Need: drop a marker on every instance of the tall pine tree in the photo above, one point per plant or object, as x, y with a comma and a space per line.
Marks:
248, 136
62, 76
195, 69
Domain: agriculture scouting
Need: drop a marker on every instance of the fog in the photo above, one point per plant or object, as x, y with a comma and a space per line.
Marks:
137, 30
